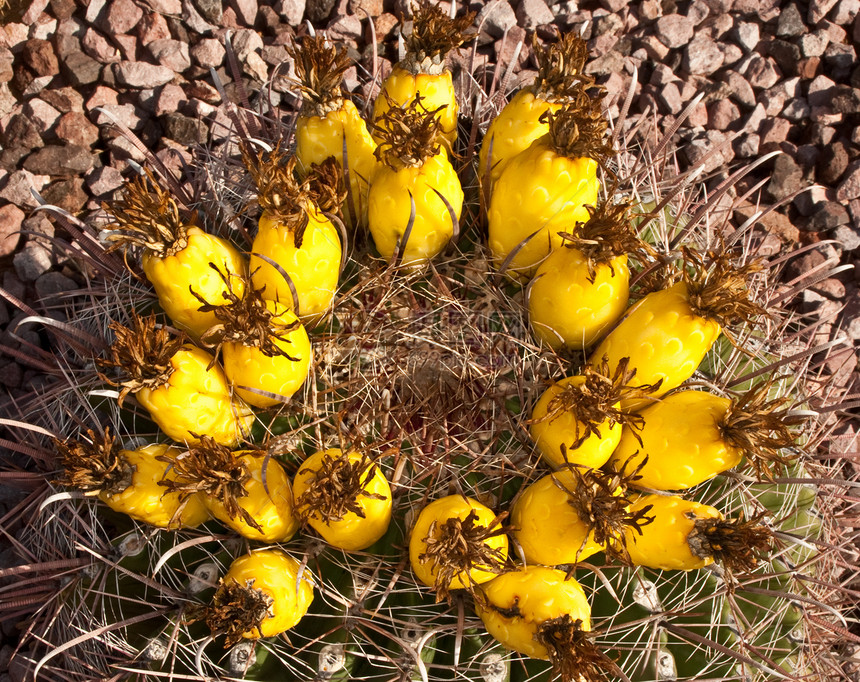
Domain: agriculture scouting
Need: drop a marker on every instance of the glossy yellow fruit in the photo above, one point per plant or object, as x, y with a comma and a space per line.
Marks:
553, 426
539, 192
681, 437
436, 90
547, 526
278, 375
438, 512
196, 401
513, 130
321, 137
356, 529
269, 504
389, 208
313, 267
522, 600
147, 501
663, 338
665, 542
277, 575
567, 309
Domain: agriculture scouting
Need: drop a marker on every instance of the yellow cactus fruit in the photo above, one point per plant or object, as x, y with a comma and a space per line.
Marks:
541, 613
685, 535
263, 594
248, 491
578, 419
182, 387
691, 436
560, 68
181, 261
422, 72
344, 497
581, 290
296, 254
456, 543
329, 125
127, 481
571, 514
667, 333
415, 198
546, 188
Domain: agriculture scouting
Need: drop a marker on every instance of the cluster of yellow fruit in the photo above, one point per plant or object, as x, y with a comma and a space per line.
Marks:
246, 320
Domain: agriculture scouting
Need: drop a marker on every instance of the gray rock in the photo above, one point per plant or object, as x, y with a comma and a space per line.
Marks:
787, 178
121, 16
820, 91
786, 54
828, 216
31, 262
846, 12
774, 131
293, 11
21, 131
813, 44
245, 41
611, 62
170, 53
702, 56
669, 97
53, 283
211, 10
18, 186
818, 9
141, 74
81, 69
674, 30
184, 129
731, 53
755, 119
103, 181
790, 22
497, 18
797, 110
840, 60
848, 237
192, 18
741, 91
318, 10
607, 24
42, 114
746, 146
722, 114
710, 148
98, 47
747, 35
762, 72
60, 160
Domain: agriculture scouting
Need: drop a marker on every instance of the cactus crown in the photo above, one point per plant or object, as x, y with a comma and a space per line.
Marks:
595, 401
247, 319
212, 469
578, 130
336, 488
572, 653
434, 34
458, 546
735, 543
235, 610
717, 288
319, 74
560, 66
601, 502
147, 216
94, 467
278, 191
409, 135
142, 353
607, 234
762, 428
326, 186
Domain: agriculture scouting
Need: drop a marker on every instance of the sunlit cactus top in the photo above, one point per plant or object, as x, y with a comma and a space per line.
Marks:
319, 68
434, 35
410, 135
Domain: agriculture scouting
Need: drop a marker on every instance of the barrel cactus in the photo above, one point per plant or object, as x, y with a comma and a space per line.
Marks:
422, 387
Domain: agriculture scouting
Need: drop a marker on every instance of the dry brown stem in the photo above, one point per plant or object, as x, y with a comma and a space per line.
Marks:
94, 467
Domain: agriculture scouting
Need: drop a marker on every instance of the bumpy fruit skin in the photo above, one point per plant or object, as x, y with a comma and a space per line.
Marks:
513, 130
352, 532
550, 434
270, 505
538, 191
173, 275
276, 574
247, 366
663, 338
452, 506
197, 400
663, 542
389, 208
539, 594
313, 268
436, 91
682, 440
320, 137
566, 309
149, 502
547, 527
